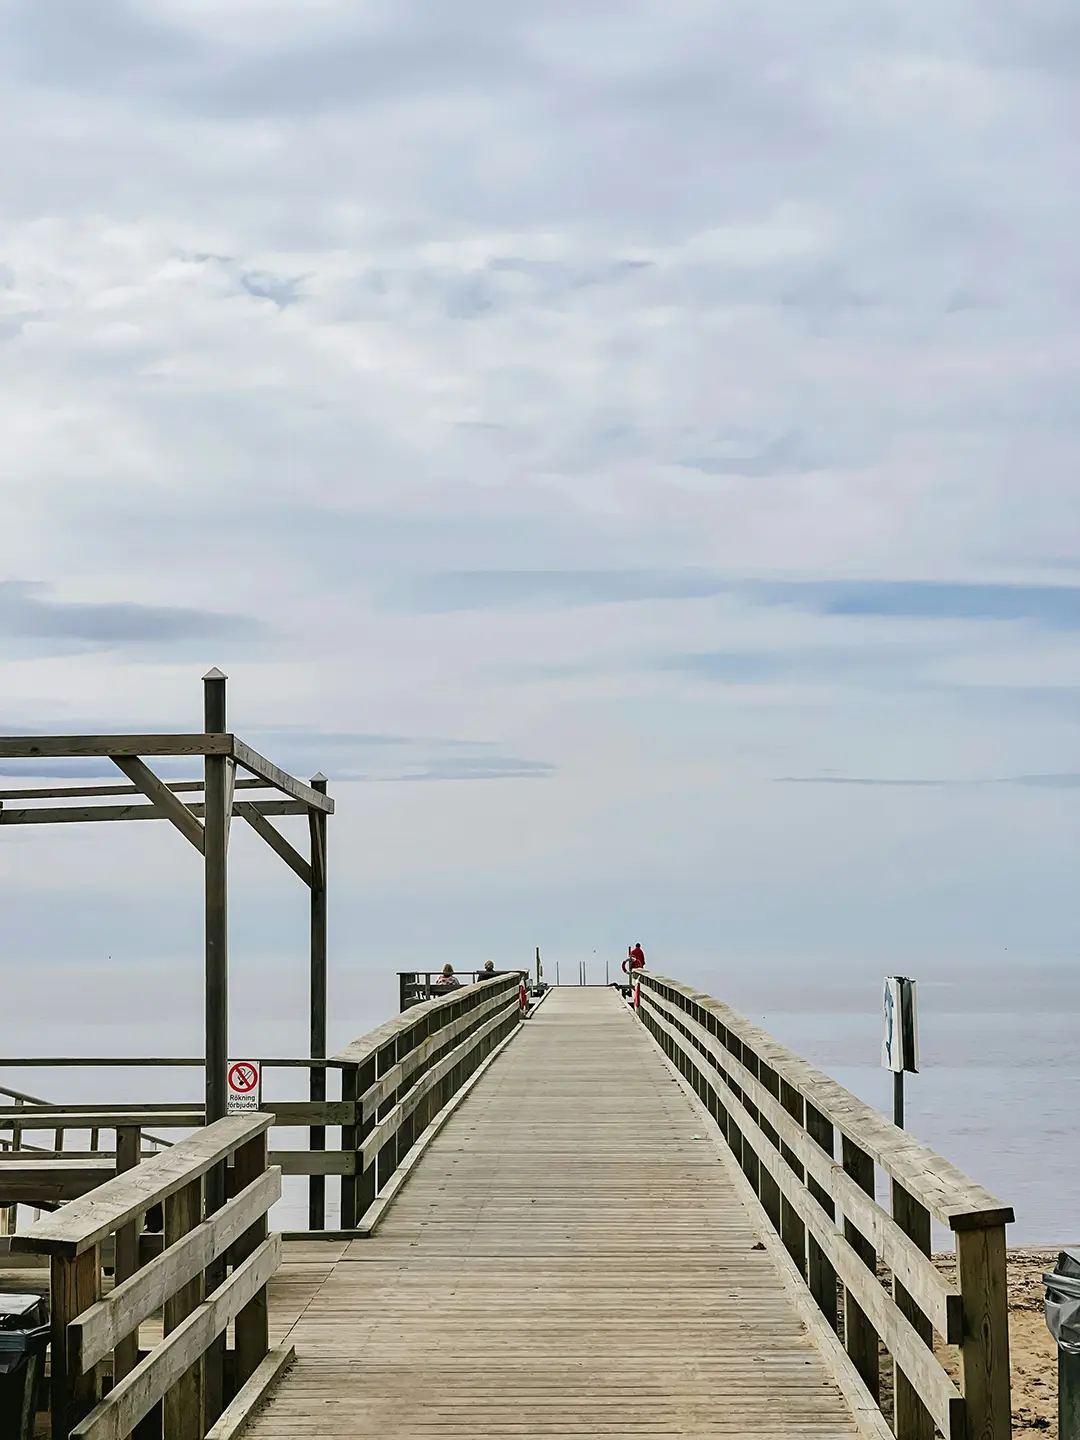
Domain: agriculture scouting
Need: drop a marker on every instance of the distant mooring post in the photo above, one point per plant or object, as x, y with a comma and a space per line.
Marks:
900, 1043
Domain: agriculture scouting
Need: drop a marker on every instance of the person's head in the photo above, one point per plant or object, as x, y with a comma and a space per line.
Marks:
448, 969
489, 965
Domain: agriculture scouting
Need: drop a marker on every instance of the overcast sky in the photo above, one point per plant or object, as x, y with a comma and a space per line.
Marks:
630, 448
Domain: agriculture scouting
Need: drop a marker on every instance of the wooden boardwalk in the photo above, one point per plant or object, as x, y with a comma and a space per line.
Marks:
571, 1256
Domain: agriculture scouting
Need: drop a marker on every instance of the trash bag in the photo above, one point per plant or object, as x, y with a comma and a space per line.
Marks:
1062, 1306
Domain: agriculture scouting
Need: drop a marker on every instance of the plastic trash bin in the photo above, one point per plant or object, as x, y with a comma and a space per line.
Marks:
1062, 1310
24, 1337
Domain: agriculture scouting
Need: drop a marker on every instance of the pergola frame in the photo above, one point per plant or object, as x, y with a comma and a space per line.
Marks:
204, 824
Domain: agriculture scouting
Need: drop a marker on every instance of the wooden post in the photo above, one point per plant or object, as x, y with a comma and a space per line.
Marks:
317, 1087
349, 1141
984, 1352
128, 1154
252, 1323
216, 831
770, 1190
75, 1285
911, 1419
792, 1229
820, 1274
182, 1406
860, 1337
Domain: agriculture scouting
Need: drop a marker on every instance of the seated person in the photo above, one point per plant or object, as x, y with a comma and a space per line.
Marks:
447, 980
488, 971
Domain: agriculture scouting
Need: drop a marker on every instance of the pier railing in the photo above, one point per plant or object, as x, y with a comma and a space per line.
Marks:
400, 1076
782, 1119
96, 1337
393, 1082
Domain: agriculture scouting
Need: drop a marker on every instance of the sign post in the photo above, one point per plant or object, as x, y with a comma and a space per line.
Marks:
900, 1042
243, 1086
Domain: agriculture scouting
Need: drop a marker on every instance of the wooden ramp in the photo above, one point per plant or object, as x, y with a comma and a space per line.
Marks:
571, 1256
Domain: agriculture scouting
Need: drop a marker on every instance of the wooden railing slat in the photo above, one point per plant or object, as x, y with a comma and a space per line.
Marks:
95, 1332
883, 1316
930, 1288
118, 1414
945, 1190
388, 1127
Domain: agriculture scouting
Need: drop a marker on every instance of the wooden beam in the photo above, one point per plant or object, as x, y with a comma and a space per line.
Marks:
317, 994
159, 794
83, 814
75, 1284
182, 1404
287, 784
216, 1003
252, 1326
273, 838
76, 792
125, 1257
984, 1354
28, 1117
41, 747
311, 1162
312, 1112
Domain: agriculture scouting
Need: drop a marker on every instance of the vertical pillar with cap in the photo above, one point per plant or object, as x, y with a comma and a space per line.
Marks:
317, 1087
218, 797
216, 832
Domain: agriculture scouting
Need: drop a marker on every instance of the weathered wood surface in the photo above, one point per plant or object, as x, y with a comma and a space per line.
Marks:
569, 1257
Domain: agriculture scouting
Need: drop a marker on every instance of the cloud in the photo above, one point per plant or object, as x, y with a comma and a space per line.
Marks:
448, 591
1054, 606
27, 613
1068, 780
871, 780
1064, 781
654, 398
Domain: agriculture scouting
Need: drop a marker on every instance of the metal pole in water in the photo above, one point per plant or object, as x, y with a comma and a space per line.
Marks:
898, 1098
556, 972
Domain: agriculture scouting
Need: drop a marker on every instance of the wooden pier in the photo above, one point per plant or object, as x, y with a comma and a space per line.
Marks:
580, 1211
605, 1220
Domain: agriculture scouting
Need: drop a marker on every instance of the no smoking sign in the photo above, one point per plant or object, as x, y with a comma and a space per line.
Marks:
243, 1083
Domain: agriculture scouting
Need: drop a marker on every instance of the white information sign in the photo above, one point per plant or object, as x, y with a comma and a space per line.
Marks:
243, 1086
900, 1041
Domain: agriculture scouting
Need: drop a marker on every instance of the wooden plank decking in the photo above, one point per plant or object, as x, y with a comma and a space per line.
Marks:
570, 1257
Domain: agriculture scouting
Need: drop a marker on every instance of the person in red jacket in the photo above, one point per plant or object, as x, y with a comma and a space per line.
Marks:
637, 957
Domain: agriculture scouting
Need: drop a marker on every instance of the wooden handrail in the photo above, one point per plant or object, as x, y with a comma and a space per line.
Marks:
186, 1281
780, 1115
403, 1073
361, 1050
945, 1190
84, 1223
